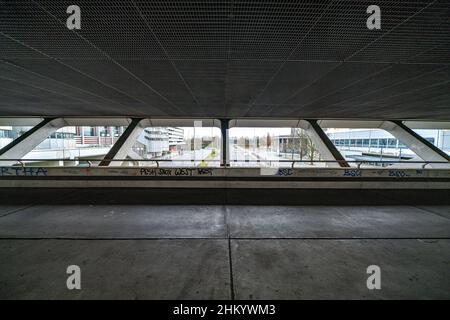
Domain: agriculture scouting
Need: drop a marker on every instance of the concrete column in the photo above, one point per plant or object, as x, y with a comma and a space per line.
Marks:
323, 144
124, 144
111, 134
224, 125
81, 134
420, 146
99, 138
30, 140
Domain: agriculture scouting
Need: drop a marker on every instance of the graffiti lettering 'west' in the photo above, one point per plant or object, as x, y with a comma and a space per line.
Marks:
176, 172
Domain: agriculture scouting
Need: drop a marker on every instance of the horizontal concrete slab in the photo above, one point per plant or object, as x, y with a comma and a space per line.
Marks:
141, 221
336, 269
10, 209
115, 221
335, 222
266, 262
115, 269
443, 211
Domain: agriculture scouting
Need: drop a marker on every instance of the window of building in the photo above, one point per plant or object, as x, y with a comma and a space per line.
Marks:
88, 131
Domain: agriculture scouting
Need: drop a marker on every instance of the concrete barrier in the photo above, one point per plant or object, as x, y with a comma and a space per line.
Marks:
282, 178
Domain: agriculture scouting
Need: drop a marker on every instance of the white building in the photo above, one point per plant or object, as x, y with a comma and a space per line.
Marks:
94, 142
358, 143
6, 135
161, 141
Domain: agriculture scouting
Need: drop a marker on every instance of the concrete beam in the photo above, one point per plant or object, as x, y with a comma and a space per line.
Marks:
25, 122
19, 147
96, 122
323, 144
350, 124
184, 122
420, 146
440, 125
124, 144
263, 123
375, 124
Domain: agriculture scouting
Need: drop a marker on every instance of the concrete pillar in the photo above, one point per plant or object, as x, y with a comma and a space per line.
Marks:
30, 140
99, 138
420, 146
224, 125
81, 134
111, 134
323, 144
124, 144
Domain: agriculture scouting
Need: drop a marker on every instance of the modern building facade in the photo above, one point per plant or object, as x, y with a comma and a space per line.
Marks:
160, 141
99, 136
360, 143
74, 142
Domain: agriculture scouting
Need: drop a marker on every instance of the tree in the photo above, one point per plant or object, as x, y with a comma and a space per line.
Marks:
305, 146
311, 150
269, 141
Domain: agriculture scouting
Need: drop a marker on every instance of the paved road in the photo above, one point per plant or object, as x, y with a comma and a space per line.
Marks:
240, 157
192, 158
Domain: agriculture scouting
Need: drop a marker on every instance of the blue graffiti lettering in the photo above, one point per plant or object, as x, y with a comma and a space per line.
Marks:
352, 173
398, 173
284, 172
41, 171
5, 171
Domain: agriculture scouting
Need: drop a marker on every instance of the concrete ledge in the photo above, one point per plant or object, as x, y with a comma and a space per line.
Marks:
206, 173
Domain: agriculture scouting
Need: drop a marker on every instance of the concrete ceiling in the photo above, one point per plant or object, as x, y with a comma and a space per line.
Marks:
226, 58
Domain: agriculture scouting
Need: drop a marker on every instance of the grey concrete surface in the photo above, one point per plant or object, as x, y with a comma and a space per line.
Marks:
115, 221
115, 269
10, 209
335, 222
324, 269
443, 211
183, 252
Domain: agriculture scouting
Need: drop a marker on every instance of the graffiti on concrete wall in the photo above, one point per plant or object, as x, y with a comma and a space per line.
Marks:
176, 172
23, 171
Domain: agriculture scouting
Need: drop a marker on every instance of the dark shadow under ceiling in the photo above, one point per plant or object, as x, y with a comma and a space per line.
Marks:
212, 58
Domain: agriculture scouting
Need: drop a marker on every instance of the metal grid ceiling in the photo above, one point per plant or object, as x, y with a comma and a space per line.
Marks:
226, 58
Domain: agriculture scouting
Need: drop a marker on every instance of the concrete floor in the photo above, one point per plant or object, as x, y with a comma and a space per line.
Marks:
223, 252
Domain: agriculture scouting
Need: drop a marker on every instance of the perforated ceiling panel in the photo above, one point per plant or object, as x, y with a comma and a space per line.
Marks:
226, 58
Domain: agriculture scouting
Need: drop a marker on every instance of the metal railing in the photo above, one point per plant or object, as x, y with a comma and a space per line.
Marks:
358, 163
